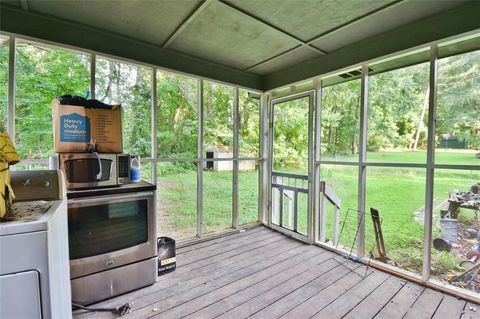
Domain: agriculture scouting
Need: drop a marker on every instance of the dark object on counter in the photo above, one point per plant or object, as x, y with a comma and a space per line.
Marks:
442, 244
81, 101
167, 260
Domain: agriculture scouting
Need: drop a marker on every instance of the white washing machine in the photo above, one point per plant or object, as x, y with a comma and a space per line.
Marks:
34, 263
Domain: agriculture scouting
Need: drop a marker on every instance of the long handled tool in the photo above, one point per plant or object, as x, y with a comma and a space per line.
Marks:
377, 227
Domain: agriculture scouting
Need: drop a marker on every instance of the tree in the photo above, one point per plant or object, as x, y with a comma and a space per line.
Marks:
177, 116
340, 118
43, 73
458, 112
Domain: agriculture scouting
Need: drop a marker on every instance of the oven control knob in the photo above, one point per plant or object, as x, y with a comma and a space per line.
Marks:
27, 183
46, 183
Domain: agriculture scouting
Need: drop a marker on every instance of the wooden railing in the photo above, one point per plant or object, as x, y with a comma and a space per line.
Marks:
286, 201
328, 195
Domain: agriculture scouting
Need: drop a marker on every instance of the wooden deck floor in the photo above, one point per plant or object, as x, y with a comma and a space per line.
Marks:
261, 273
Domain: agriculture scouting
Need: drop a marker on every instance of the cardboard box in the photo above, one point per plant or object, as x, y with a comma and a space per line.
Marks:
76, 127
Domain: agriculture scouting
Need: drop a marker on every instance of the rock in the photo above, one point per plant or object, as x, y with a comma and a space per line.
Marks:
475, 189
470, 233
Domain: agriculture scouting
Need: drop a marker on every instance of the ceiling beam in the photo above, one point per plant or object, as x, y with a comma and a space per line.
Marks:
350, 23
14, 20
455, 21
273, 58
185, 23
309, 43
286, 33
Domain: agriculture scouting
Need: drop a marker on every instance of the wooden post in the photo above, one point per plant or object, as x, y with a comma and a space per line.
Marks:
323, 213
336, 225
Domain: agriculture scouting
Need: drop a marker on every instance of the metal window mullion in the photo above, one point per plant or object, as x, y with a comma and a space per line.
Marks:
11, 89
200, 159
93, 70
317, 228
154, 126
269, 159
236, 122
262, 181
310, 228
432, 103
362, 169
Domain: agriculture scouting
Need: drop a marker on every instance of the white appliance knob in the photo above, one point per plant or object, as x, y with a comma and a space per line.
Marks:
46, 183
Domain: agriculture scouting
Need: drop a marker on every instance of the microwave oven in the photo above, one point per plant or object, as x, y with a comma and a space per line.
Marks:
92, 170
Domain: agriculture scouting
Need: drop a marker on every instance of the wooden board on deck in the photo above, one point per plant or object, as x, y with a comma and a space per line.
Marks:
260, 273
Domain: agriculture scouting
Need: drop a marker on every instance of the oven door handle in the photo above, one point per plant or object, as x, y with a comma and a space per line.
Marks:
108, 199
100, 173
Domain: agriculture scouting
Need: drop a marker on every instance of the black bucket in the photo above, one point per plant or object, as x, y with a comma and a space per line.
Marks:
167, 261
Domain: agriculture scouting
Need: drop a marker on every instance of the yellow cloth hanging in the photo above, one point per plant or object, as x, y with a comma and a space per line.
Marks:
7, 149
8, 156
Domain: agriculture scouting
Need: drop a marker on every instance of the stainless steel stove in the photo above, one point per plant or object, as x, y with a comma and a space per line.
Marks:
112, 239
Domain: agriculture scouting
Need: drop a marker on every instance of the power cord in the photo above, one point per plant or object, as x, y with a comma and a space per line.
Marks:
120, 310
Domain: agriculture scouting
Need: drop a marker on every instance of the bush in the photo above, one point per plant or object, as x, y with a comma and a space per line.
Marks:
444, 263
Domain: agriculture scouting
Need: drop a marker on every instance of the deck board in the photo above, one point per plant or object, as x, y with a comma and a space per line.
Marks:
262, 300
401, 302
450, 307
150, 303
425, 306
188, 280
311, 306
223, 240
238, 297
374, 302
240, 285
352, 297
297, 297
260, 273
471, 311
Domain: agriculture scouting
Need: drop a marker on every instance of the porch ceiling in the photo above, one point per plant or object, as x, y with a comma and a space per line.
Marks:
249, 42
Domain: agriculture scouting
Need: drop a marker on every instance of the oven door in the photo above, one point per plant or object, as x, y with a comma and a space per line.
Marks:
106, 232
88, 170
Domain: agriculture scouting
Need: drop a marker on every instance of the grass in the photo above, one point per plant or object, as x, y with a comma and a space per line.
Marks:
396, 192
177, 191
454, 157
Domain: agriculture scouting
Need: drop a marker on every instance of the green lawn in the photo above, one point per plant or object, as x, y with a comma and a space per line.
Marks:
462, 157
396, 192
177, 191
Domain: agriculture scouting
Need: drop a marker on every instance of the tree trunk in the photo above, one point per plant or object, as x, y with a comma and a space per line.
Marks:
420, 120
353, 146
330, 128
110, 79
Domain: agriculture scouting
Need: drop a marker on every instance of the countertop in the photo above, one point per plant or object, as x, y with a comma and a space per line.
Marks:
121, 189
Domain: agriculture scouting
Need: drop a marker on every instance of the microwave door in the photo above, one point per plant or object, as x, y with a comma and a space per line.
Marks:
83, 170
106, 169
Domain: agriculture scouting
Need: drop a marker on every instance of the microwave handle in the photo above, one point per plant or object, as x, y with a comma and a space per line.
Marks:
100, 173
